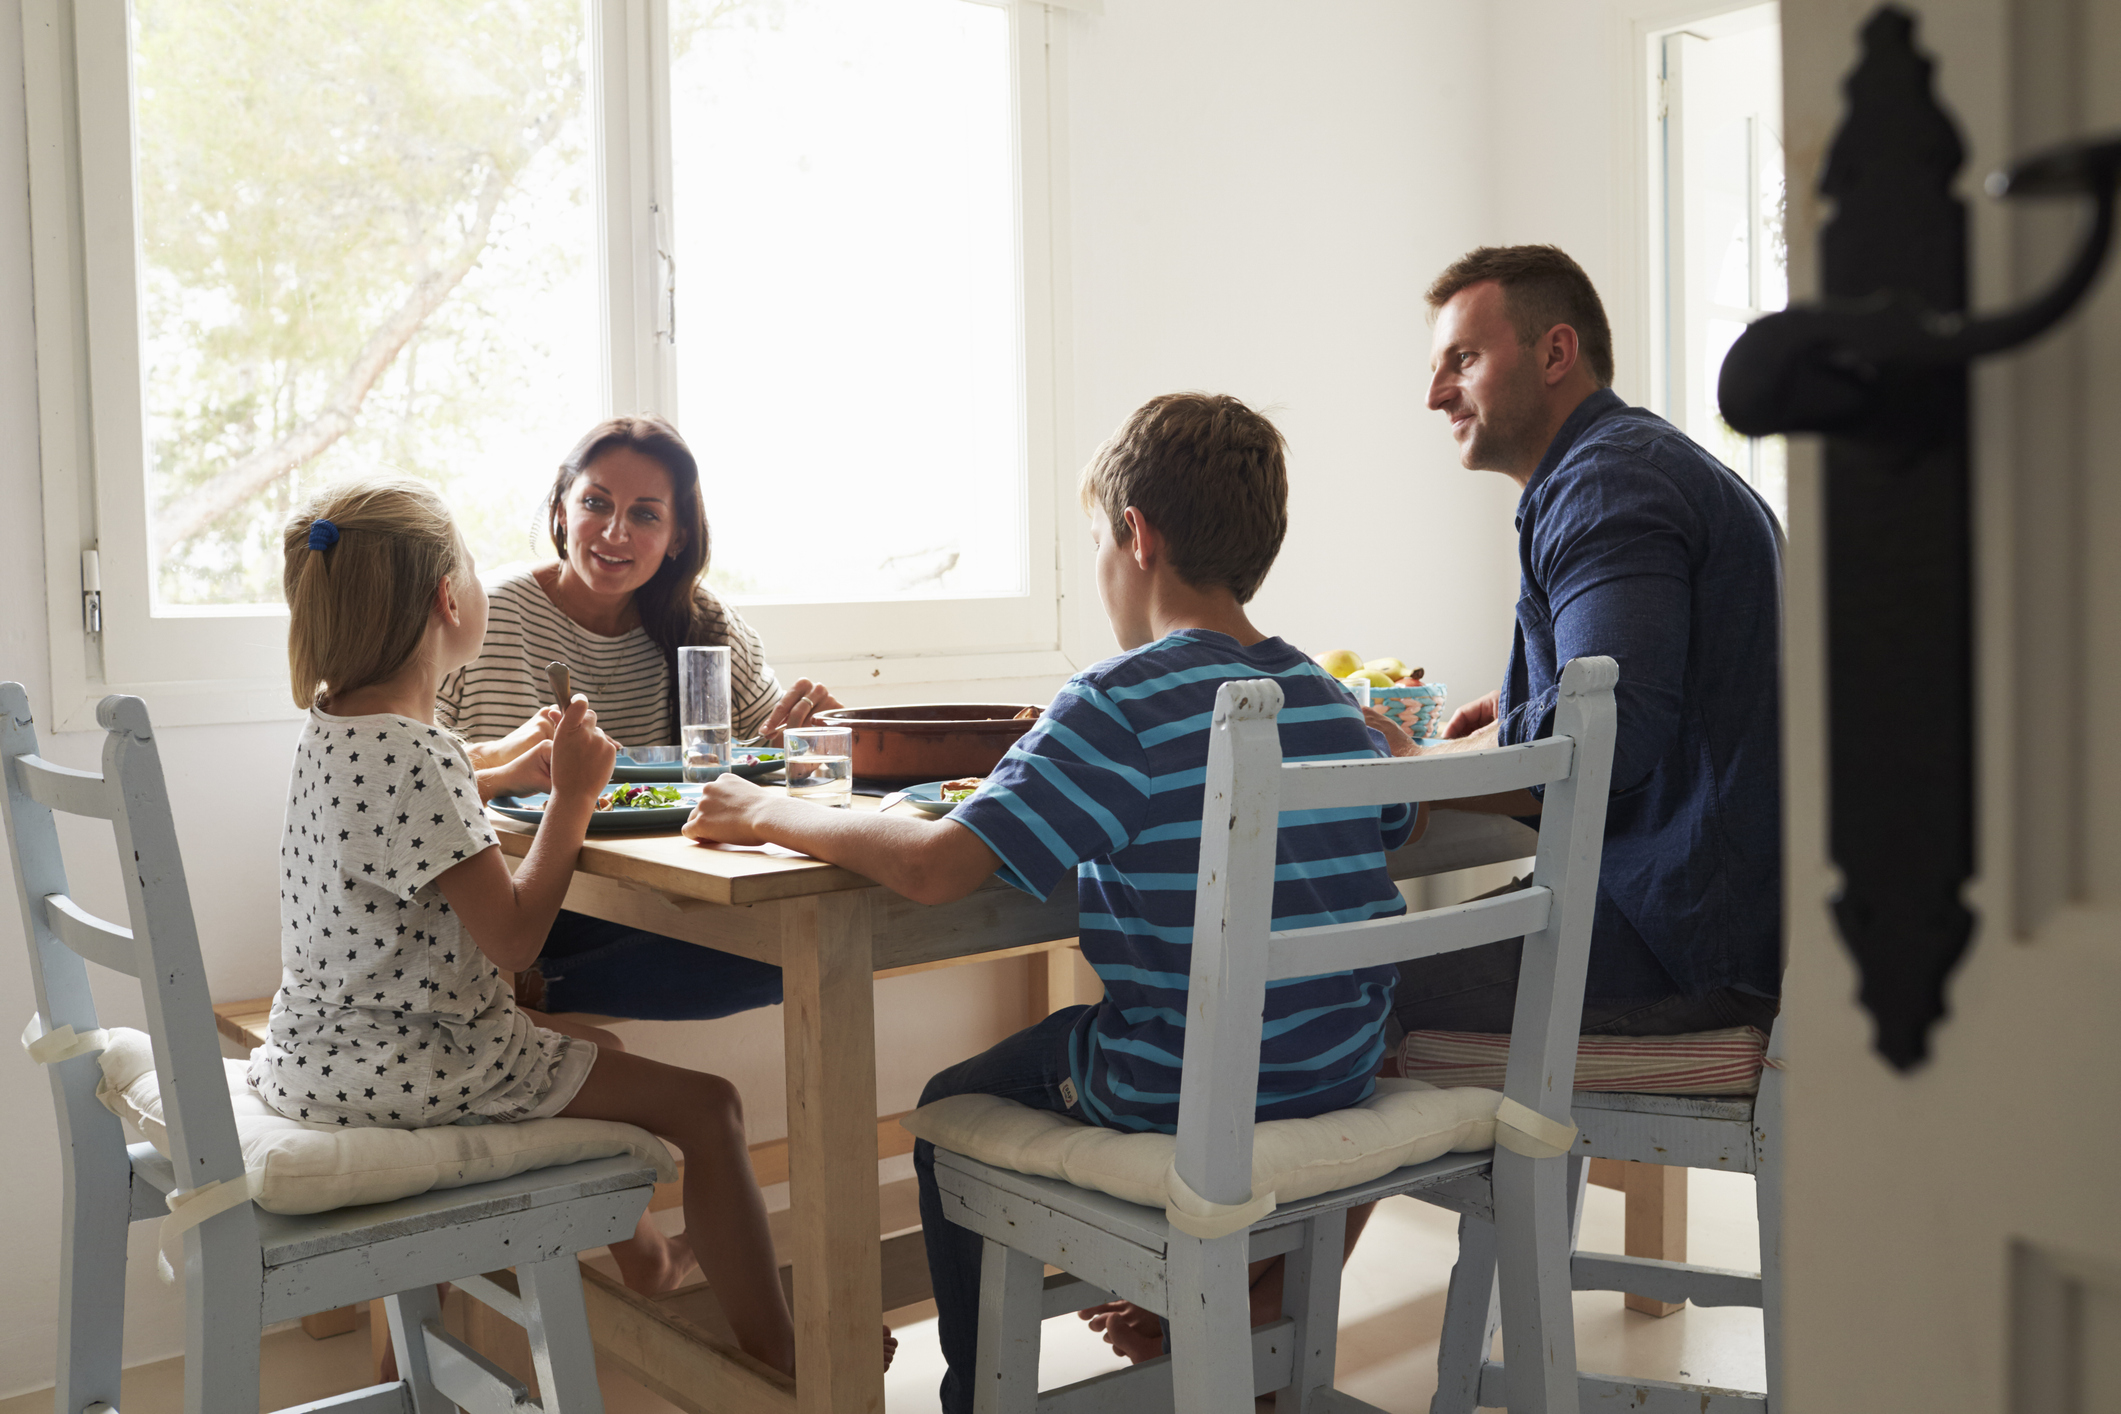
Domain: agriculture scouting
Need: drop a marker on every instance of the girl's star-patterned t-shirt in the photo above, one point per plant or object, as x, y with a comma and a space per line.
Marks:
388, 1014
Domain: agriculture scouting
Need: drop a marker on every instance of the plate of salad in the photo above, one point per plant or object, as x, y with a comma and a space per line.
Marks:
623, 806
666, 764
939, 798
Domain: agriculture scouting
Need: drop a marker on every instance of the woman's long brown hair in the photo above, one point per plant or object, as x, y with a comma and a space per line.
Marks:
669, 603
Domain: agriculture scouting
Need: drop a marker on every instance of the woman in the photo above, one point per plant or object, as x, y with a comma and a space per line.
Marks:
624, 513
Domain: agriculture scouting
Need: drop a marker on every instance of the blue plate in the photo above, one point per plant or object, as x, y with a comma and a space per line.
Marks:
530, 809
928, 799
633, 772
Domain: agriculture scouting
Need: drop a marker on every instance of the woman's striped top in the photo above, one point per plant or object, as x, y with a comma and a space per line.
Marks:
626, 679
1109, 787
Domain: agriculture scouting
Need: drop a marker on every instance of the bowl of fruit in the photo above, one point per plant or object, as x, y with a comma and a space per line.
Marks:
1398, 691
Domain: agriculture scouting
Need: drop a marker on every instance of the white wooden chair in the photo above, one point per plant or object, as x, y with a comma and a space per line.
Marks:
1112, 1249
1736, 1134
244, 1267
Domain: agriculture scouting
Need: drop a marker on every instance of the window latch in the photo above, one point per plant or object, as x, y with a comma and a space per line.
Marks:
91, 592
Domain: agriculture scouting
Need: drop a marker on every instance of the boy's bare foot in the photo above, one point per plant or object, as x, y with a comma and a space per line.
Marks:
1132, 1332
890, 1347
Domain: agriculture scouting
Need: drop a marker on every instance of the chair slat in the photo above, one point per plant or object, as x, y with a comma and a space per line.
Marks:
105, 944
1342, 947
63, 788
1452, 775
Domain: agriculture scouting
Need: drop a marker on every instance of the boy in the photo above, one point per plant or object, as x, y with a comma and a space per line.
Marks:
1188, 504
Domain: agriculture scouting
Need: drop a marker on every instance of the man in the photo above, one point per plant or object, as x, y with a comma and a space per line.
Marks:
1634, 543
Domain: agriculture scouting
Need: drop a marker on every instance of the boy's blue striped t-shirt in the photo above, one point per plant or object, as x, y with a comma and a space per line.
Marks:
1110, 784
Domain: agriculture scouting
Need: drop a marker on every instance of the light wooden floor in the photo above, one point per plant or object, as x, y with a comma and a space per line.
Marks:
1391, 1308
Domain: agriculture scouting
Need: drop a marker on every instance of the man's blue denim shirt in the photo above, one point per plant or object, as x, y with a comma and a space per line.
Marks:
1635, 543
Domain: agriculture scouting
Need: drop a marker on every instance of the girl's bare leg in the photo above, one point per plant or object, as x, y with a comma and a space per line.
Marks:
725, 1217
649, 1262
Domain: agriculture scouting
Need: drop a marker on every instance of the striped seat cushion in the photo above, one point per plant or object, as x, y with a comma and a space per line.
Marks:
1701, 1063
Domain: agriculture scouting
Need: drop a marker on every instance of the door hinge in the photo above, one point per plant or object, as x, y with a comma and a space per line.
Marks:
91, 592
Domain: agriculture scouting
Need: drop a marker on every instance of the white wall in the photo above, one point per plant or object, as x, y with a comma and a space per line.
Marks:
1261, 191
1258, 190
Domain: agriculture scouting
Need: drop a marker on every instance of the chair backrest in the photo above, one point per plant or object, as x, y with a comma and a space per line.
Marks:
1236, 952
160, 950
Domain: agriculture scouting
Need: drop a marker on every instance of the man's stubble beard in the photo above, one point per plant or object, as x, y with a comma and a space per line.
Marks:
1510, 436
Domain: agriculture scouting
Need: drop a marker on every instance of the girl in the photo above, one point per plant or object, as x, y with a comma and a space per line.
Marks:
398, 917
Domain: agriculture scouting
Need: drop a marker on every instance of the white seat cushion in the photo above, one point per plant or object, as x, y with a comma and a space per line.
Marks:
1699, 1063
314, 1168
1405, 1122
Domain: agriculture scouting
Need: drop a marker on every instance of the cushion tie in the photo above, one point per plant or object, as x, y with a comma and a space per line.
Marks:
1524, 1130
1191, 1213
51, 1047
188, 1207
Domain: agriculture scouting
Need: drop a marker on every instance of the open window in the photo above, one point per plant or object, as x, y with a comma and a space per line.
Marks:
335, 238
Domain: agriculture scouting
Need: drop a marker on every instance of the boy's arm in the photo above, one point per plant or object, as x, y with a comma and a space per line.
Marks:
928, 861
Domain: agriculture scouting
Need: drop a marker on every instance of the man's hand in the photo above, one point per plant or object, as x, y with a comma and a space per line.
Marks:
727, 812
1396, 739
797, 706
1480, 712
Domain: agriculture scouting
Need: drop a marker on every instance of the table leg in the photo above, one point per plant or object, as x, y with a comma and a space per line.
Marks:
830, 1028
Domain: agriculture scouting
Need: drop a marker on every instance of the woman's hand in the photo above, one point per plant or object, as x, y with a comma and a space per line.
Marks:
526, 775
797, 706
1480, 712
486, 755
581, 755
727, 812
1396, 739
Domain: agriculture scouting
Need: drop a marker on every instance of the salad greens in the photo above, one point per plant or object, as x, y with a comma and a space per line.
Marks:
639, 797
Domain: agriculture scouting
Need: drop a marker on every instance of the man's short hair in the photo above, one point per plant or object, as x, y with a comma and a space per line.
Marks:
1209, 474
1541, 287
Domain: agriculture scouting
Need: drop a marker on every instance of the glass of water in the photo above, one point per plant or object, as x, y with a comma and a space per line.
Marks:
820, 764
703, 711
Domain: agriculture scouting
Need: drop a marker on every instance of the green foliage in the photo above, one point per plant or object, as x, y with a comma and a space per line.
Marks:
302, 168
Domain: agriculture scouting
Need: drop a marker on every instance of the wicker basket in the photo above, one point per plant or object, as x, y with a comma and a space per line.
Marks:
1418, 710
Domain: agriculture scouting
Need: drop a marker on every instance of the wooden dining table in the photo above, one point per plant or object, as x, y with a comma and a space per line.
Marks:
831, 932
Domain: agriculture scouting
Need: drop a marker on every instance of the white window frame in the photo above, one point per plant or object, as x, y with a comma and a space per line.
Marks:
1675, 348
208, 667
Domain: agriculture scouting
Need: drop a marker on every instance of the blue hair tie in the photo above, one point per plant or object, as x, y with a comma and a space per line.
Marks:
322, 534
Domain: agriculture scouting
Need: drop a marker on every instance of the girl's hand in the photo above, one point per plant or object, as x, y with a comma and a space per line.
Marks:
797, 706
581, 755
1396, 739
526, 775
488, 754
728, 812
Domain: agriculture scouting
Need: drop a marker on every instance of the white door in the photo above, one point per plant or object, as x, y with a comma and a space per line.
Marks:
1954, 1234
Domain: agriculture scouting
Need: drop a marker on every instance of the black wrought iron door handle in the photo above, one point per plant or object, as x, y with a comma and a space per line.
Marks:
1825, 367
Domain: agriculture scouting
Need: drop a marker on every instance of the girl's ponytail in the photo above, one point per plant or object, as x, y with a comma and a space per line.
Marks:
363, 561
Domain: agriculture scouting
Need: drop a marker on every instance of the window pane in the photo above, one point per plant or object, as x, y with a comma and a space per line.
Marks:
366, 245
847, 338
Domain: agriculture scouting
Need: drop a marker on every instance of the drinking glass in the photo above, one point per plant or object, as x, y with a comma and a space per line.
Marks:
703, 710
820, 764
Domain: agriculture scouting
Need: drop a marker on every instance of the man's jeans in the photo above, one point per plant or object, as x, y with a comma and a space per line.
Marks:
1027, 1068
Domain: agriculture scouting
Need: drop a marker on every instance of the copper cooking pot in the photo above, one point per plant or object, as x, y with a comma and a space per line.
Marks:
935, 741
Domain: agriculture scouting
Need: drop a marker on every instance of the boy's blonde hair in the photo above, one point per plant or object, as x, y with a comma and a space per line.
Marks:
357, 609
1209, 473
